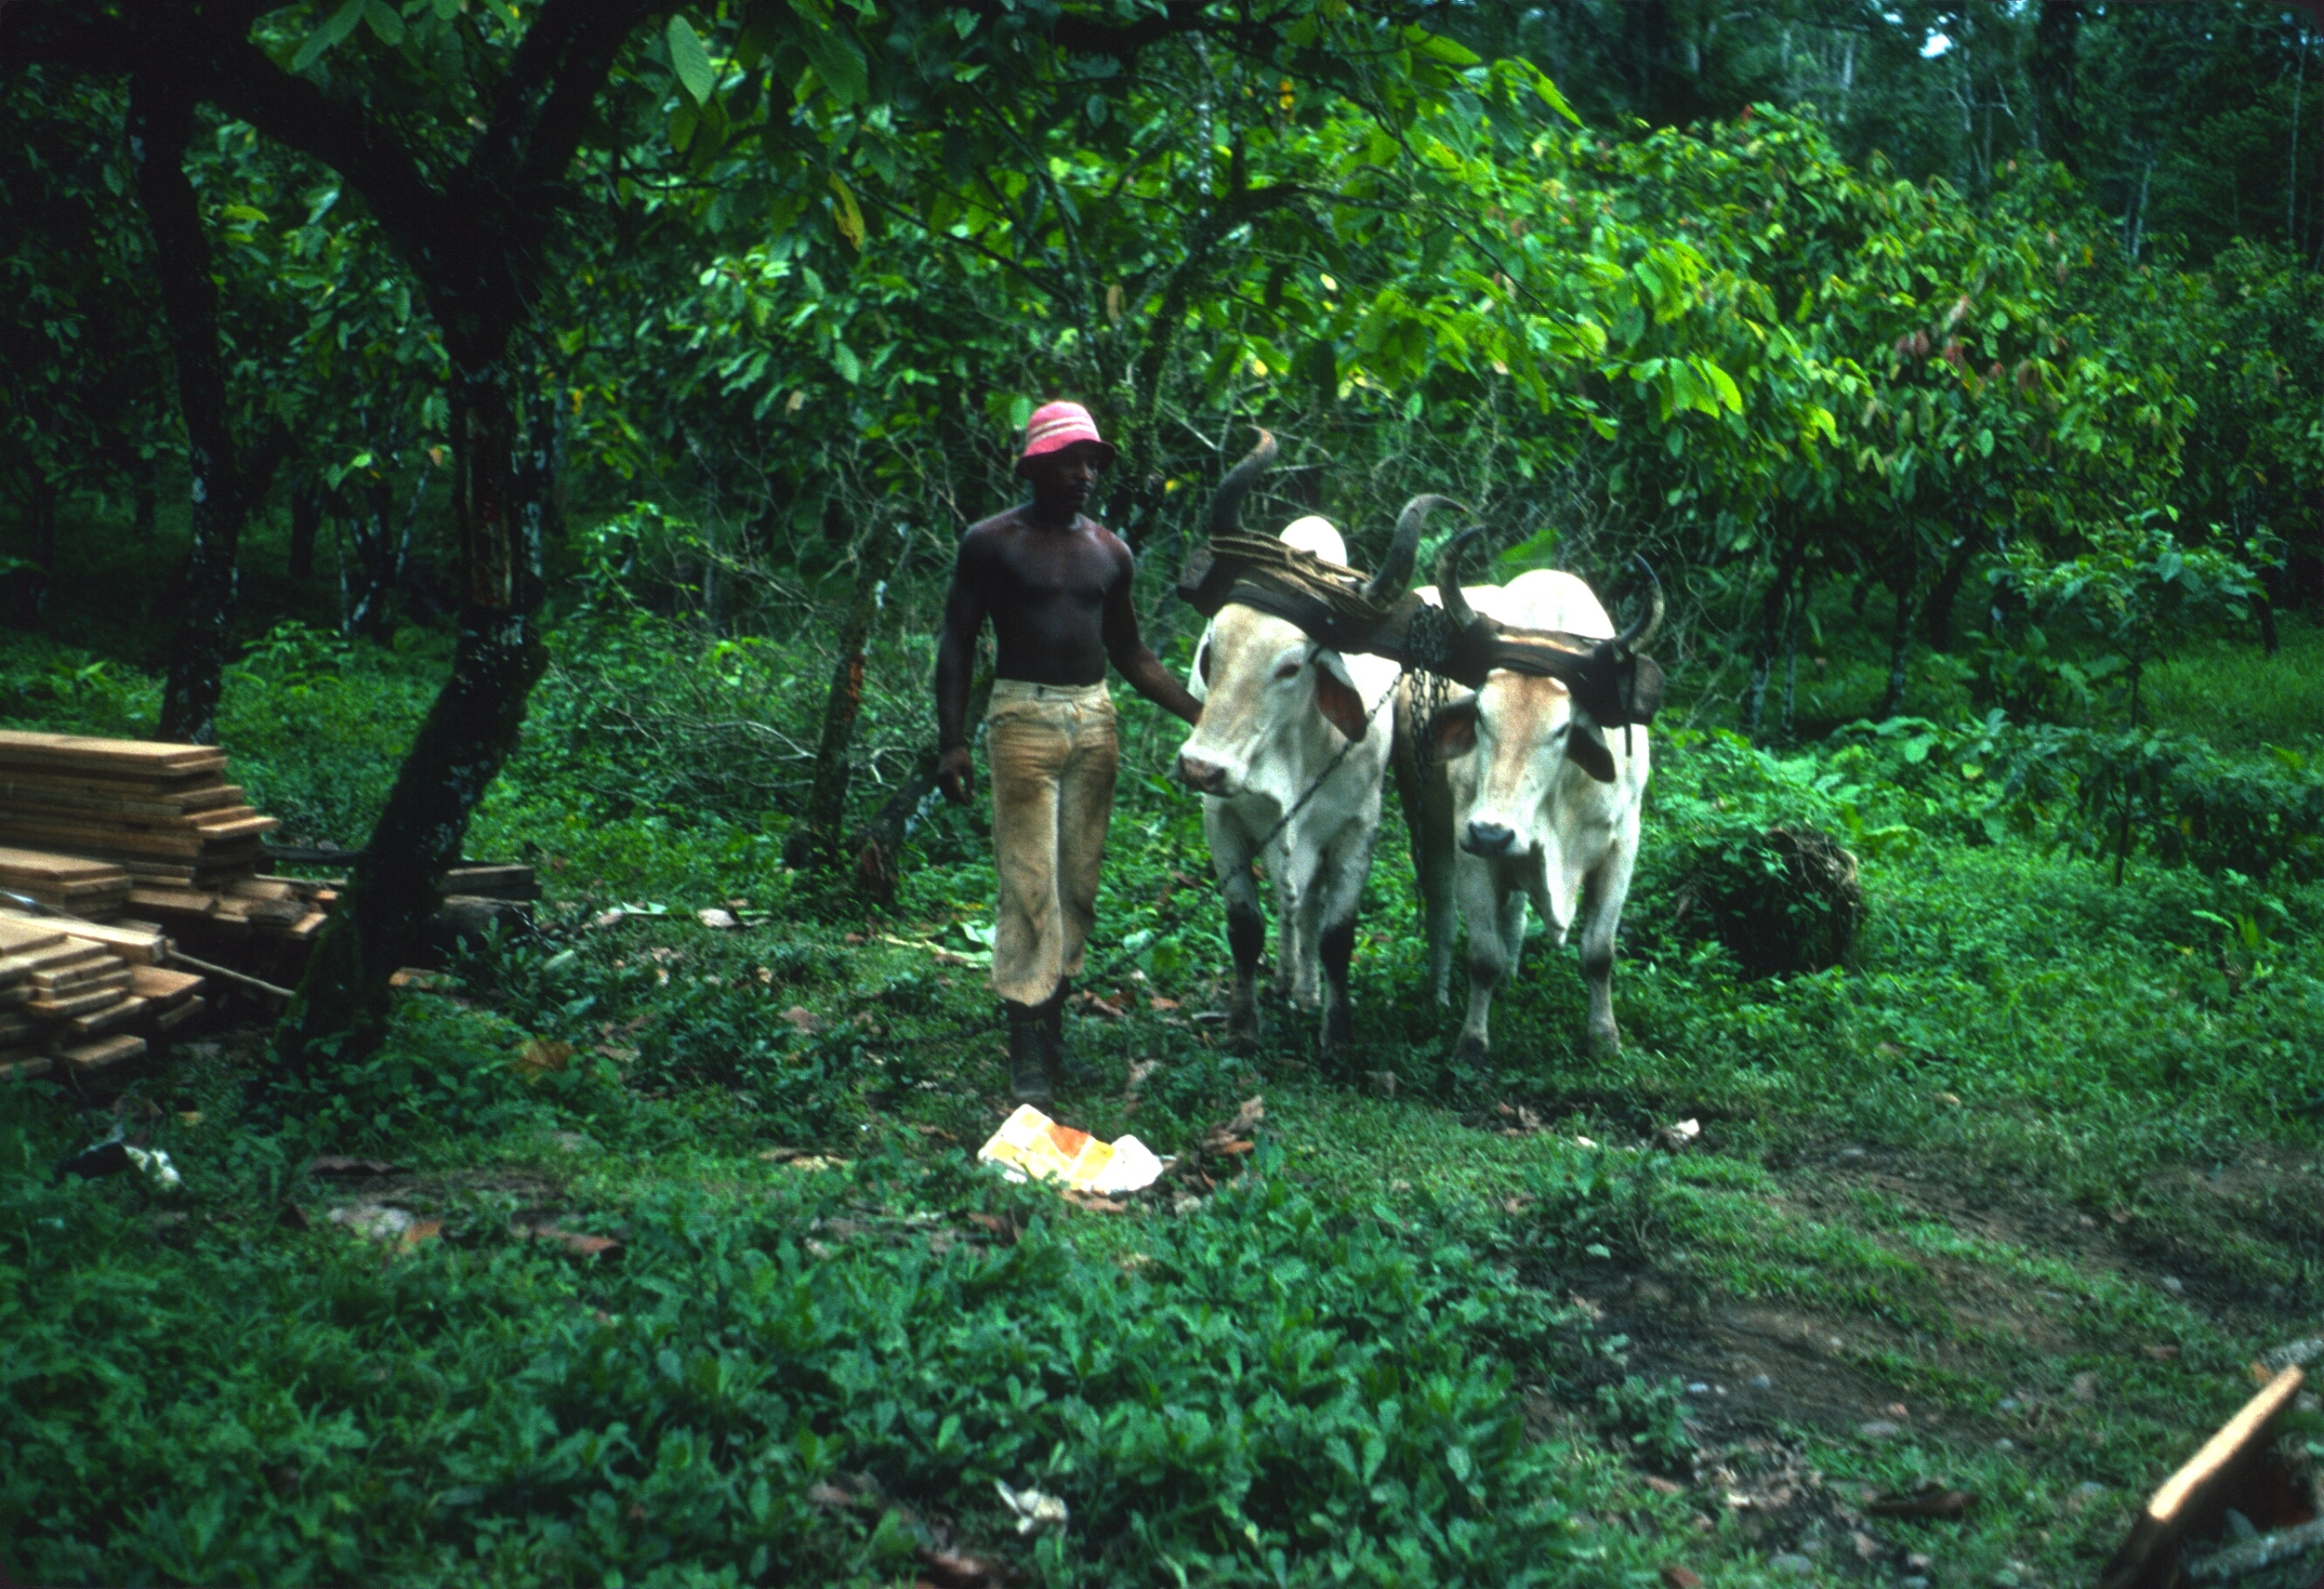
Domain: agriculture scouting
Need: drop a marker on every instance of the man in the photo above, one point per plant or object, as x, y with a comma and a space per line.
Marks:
1056, 586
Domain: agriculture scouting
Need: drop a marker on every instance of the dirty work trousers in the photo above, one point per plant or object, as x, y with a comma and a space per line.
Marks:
1053, 754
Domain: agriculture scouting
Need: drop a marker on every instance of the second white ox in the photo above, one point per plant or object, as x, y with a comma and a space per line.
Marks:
1283, 716
1513, 798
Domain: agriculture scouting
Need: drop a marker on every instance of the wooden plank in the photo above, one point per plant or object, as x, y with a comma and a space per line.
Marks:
13, 1068
63, 952
170, 1020
103, 842
44, 750
130, 1009
172, 901
21, 935
307, 926
513, 881
137, 948
161, 987
103, 1051
16, 1026
52, 868
264, 888
158, 872
72, 1004
2149, 1558
75, 980
216, 829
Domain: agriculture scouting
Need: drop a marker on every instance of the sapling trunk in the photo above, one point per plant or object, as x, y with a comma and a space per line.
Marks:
305, 520
878, 848
816, 836
340, 1013
161, 122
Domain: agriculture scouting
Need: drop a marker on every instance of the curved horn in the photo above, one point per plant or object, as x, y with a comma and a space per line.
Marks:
1226, 503
1644, 629
1395, 574
1448, 591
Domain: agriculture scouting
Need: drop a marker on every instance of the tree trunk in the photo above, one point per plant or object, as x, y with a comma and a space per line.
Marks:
340, 1012
1791, 659
878, 848
2056, 36
1899, 647
305, 520
1772, 609
816, 836
145, 498
1936, 617
161, 121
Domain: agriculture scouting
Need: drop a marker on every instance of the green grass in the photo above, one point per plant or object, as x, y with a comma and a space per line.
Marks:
1445, 1335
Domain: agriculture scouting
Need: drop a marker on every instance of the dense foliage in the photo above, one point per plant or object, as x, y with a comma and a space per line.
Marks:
627, 369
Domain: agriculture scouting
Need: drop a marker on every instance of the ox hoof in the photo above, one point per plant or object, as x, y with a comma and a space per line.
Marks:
1603, 1042
1471, 1050
1338, 1031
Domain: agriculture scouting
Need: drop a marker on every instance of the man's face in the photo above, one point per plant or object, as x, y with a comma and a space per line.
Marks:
1064, 479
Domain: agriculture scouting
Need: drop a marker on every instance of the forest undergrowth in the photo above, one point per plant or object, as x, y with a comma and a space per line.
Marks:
2002, 1202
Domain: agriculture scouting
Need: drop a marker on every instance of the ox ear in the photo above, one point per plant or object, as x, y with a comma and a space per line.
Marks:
1198, 676
1453, 729
1585, 747
1337, 696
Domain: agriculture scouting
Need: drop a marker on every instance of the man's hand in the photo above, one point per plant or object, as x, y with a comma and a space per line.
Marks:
956, 774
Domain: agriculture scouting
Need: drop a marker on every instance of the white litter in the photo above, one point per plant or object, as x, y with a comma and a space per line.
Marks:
157, 1167
1033, 1509
1030, 1145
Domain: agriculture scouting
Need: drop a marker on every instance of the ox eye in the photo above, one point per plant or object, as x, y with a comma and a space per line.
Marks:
1288, 670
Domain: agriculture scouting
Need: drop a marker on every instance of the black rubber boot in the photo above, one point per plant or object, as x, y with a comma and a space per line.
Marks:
1066, 1068
1028, 1054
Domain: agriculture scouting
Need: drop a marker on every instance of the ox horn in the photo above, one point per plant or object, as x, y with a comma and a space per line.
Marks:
1395, 574
1226, 503
1449, 592
1644, 627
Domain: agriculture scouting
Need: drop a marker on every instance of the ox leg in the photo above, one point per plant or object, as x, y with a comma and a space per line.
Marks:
1482, 909
1346, 869
1604, 895
1246, 923
1435, 865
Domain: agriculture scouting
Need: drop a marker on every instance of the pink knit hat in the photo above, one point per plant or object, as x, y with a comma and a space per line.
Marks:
1056, 426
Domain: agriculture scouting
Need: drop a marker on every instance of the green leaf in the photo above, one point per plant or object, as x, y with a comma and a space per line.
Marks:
846, 215
384, 22
342, 22
843, 359
837, 58
1723, 384
691, 61
1452, 53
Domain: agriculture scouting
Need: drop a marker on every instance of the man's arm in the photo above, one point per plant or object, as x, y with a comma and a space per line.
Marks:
1129, 653
956, 659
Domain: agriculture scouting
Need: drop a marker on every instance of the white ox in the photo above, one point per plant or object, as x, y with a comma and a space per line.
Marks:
1504, 809
1282, 715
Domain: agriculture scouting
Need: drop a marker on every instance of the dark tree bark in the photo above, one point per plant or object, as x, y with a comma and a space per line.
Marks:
816, 836
306, 506
145, 499
1773, 610
2057, 35
878, 848
1937, 616
161, 121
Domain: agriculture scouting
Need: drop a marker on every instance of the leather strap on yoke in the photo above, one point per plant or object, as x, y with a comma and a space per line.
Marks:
1614, 686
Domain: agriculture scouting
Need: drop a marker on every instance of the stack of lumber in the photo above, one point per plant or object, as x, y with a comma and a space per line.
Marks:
86, 995
104, 826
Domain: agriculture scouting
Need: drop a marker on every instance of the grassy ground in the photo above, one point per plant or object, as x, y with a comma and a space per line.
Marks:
2006, 1204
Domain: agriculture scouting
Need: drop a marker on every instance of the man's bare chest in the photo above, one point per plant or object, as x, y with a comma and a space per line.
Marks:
1042, 570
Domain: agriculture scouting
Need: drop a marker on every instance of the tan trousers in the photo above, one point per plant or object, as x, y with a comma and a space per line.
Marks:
1052, 753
